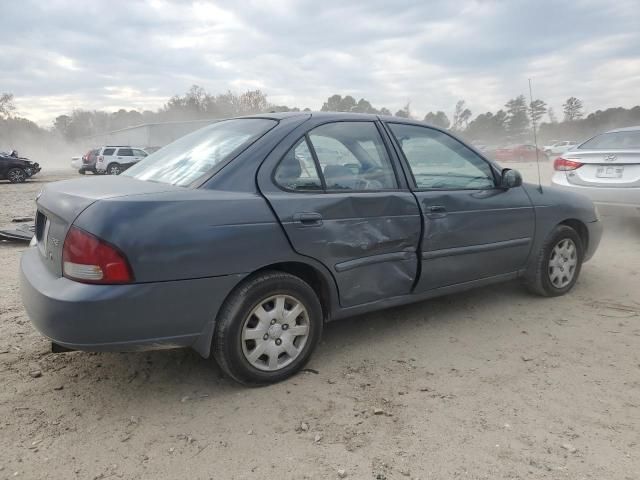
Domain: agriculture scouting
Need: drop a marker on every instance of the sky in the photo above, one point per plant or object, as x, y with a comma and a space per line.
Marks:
57, 55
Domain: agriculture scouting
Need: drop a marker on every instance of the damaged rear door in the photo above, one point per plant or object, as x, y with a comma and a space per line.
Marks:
335, 189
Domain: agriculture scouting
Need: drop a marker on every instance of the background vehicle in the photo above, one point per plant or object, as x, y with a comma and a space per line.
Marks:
86, 163
606, 168
243, 238
519, 153
17, 169
559, 147
115, 159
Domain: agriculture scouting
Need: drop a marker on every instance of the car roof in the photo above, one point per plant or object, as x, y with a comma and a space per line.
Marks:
625, 129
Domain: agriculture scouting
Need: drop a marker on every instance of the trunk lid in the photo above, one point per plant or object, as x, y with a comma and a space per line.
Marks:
59, 204
605, 168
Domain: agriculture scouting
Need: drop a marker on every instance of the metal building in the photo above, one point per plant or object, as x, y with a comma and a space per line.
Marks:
147, 135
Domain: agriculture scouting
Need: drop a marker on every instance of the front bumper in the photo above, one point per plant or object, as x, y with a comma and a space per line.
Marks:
122, 317
595, 235
610, 201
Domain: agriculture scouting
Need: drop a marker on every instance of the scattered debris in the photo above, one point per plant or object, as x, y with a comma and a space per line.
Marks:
526, 359
342, 473
317, 438
304, 427
569, 448
22, 219
35, 373
24, 233
310, 370
58, 387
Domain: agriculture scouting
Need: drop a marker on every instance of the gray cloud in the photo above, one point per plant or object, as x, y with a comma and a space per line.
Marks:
60, 55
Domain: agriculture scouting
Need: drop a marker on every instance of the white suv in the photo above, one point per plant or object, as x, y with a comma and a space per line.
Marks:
115, 159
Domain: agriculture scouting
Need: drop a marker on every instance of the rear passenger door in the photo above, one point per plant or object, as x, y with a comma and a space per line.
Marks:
138, 155
473, 229
336, 193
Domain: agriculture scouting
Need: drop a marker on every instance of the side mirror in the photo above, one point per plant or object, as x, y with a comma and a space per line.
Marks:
510, 178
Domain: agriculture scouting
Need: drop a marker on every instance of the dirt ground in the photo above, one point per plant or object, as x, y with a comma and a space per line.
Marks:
489, 384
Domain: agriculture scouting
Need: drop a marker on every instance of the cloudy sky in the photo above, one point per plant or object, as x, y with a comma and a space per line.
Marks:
57, 55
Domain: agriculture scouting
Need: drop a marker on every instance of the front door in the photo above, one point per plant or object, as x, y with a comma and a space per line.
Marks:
340, 201
473, 229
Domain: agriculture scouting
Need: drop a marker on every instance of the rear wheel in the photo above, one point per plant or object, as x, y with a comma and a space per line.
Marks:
81, 171
267, 329
114, 169
17, 175
558, 264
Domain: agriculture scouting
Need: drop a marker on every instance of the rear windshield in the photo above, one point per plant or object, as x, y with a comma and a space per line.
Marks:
615, 140
201, 152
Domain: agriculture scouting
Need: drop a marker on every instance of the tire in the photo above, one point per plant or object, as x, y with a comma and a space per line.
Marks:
238, 319
550, 275
81, 171
114, 169
17, 175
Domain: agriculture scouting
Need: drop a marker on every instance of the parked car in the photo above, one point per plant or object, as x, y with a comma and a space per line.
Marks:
519, 153
86, 163
559, 147
17, 169
115, 159
243, 238
606, 168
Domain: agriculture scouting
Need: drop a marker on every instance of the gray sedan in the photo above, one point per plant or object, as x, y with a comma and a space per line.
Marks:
241, 240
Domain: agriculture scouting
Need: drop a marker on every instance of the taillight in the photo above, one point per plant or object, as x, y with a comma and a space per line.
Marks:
86, 258
562, 164
100, 158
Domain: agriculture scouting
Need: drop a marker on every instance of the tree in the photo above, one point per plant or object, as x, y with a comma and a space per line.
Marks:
7, 107
437, 119
517, 118
336, 103
404, 112
461, 115
488, 127
552, 115
537, 109
572, 109
61, 124
385, 111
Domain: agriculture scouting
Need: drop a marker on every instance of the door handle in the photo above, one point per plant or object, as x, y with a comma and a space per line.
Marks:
308, 219
436, 211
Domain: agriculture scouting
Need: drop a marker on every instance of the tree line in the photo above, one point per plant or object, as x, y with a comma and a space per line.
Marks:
512, 123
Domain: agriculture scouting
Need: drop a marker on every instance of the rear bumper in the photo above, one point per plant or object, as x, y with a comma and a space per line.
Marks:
610, 201
122, 317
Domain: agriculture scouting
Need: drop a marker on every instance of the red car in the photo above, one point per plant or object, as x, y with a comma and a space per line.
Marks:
519, 153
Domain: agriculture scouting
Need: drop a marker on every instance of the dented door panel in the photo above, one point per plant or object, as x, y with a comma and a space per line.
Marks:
367, 240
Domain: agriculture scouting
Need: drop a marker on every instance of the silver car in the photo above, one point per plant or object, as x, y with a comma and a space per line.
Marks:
606, 168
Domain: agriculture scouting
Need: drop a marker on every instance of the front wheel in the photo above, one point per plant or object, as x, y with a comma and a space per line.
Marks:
17, 175
558, 264
267, 329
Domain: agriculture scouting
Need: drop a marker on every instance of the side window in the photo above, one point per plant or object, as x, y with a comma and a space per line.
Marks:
139, 153
108, 152
352, 156
438, 161
125, 152
297, 170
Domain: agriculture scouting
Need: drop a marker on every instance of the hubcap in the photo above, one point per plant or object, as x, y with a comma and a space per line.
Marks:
16, 176
275, 332
562, 263
115, 170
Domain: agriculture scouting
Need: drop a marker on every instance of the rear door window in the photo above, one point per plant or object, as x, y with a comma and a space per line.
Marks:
125, 152
139, 153
108, 152
352, 156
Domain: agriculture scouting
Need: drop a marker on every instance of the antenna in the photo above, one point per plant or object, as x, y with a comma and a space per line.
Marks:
535, 137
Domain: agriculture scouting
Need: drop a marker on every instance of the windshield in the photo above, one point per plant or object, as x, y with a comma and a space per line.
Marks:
201, 152
613, 140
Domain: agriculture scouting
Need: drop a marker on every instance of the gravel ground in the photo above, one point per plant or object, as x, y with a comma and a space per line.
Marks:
489, 384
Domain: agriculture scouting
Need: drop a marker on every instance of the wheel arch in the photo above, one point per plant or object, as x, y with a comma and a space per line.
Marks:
580, 228
321, 282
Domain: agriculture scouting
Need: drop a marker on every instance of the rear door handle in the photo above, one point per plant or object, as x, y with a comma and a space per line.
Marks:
308, 219
436, 211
